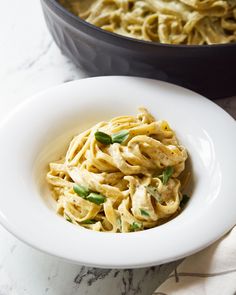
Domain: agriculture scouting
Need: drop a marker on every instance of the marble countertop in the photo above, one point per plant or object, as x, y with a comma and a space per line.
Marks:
31, 62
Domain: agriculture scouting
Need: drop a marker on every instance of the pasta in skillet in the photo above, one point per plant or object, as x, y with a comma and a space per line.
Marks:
190, 22
120, 175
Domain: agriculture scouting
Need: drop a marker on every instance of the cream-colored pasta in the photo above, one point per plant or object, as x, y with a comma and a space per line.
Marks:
165, 21
128, 175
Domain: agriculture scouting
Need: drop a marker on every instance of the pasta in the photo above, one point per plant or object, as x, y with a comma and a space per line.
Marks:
120, 175
192, 22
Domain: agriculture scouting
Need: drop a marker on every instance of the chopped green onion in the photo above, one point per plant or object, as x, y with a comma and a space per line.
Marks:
184, 201
154, 193
81, 190
103, 137
135, 226
166, 174
144, 212
96, 198
89, 221
119, 137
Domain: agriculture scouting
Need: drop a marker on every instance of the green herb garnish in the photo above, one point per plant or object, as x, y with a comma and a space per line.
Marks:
105, 138
89, 221
144, 212
119, 137
68, 218
96, 198
86, 194
135, 226
81, 190
154, 192
166, 174
184, 201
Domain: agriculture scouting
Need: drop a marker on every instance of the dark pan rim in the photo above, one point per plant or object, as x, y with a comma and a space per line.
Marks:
76, 20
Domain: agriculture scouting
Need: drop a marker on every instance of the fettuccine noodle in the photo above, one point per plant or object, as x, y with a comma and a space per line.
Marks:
195, 22
128, 184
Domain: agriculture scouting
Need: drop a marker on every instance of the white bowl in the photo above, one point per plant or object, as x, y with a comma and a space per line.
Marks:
39, 130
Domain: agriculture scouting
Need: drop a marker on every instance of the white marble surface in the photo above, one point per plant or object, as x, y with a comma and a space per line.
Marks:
25, 271
31, 62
